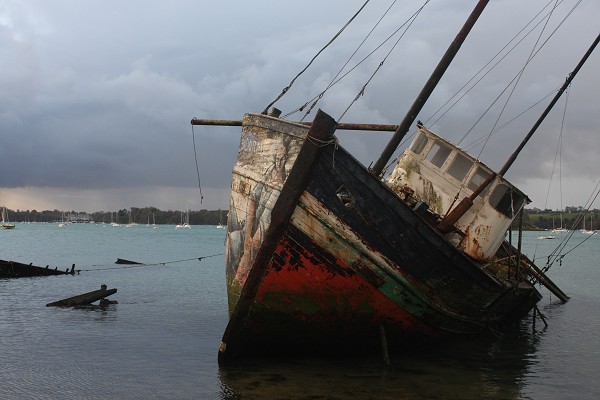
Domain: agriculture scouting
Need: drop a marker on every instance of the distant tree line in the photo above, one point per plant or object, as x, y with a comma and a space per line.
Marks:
570, 218
146, 215
533, 219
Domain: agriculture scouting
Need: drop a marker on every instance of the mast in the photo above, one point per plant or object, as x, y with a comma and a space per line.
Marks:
437, 74
467, 202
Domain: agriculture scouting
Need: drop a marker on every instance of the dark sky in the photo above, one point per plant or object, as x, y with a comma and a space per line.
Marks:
96, 97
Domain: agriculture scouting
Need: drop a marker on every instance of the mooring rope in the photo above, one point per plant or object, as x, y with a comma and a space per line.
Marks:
163, 263
196, 159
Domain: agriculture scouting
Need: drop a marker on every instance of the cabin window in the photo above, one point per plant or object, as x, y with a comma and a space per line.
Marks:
506, 200
419, 143
438, 154
478, 177
460, 167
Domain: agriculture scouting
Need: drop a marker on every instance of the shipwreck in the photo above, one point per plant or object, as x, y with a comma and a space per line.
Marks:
324, 254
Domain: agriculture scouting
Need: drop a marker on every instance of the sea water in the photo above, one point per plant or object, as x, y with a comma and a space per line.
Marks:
161, 340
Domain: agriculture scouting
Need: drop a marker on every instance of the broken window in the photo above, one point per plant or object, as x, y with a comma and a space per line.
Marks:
505, 200
438, 154
478, 177
419, 143
460, 167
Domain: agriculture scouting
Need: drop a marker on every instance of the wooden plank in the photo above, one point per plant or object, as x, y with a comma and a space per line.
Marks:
84, 299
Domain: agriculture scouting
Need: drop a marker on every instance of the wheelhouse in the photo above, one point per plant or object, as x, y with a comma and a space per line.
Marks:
439, 174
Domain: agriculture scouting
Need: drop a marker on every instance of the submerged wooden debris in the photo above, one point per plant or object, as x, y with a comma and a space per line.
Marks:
14, 269
128, 262
86, 298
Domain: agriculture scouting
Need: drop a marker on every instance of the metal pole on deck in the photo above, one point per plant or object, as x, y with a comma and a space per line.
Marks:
341, 126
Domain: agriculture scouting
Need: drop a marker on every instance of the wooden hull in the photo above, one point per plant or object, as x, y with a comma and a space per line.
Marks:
347, 258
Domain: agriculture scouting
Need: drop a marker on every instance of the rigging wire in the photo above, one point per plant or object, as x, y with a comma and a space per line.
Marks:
492, 67
465, 91
149, 264
362, 90
196, 159
557, 155
485, 66
519, 76
390, 37
557, 253
284, 91
477, 141
320, 95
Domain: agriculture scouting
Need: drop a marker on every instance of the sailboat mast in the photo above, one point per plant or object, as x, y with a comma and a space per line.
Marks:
435, 77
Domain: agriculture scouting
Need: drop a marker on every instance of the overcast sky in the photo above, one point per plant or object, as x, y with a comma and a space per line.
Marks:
96, 97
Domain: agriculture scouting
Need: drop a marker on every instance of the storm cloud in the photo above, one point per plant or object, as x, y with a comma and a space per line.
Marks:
96, 97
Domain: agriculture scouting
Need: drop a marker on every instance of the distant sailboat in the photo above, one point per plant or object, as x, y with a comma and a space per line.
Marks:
115, 222
5, 222
558, 230
62, 223
588, 231
220, 226
131, 222
185, 222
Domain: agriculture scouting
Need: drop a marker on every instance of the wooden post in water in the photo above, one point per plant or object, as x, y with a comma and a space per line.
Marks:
384, 345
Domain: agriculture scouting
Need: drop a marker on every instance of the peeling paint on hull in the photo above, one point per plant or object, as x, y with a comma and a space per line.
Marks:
340, 269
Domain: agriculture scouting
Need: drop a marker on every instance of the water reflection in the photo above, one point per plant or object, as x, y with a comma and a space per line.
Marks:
106, 312
466, 369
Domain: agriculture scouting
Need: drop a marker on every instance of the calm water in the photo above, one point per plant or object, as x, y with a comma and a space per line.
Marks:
161, 340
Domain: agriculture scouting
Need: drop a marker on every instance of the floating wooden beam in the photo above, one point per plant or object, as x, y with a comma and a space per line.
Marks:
348, 127
84, 299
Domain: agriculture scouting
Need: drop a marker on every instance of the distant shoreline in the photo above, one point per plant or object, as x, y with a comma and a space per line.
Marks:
146, 215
